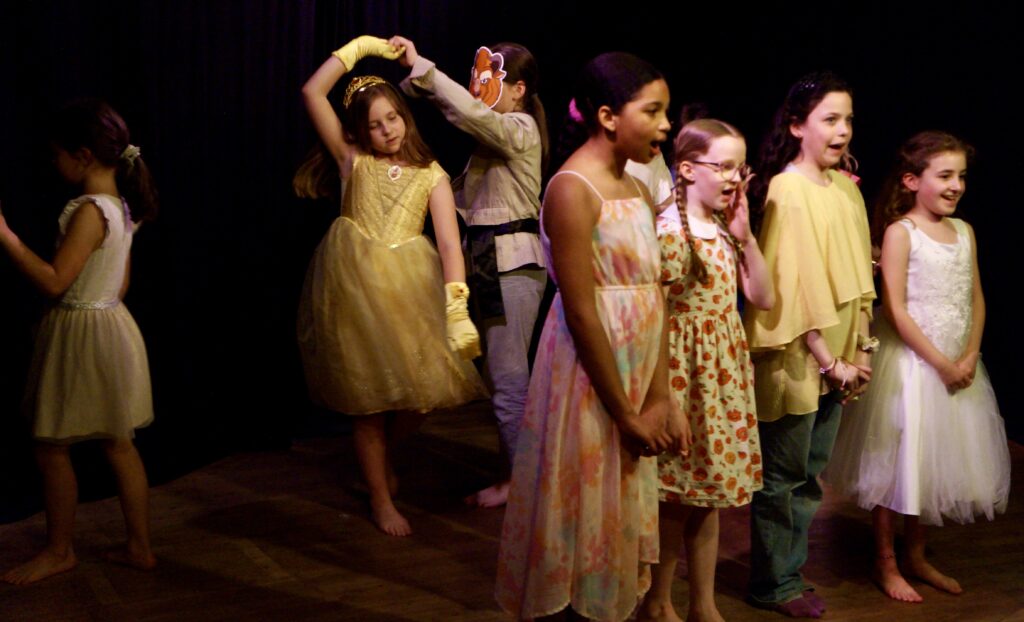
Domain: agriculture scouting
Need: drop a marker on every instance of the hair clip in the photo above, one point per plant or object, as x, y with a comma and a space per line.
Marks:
130, 153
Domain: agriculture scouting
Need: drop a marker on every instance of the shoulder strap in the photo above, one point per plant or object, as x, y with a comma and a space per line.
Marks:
637, 186
960, 226
580, 175
908, 224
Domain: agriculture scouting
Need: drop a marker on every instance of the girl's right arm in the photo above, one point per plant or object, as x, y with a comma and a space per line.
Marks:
315, 90
570, 230
85, 233
895, 258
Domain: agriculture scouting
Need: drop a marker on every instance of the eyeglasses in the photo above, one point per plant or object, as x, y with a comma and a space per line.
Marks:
727, 170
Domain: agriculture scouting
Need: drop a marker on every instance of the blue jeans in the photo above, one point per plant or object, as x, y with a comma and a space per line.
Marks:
506, 365
796, 449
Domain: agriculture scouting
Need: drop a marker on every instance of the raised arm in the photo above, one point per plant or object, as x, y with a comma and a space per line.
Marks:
85, 234
315, 90
508, 134
570, 214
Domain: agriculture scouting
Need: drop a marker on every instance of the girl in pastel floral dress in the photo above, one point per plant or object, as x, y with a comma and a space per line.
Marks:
581, 526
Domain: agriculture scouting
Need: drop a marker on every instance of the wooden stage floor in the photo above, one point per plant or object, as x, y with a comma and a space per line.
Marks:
283, 535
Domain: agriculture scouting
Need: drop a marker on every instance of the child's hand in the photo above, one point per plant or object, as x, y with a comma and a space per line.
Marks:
738, 212
955, 376
463, 337
678, 428
645, 432
361, 47
847, 375
408, 50
968, 363
862, 363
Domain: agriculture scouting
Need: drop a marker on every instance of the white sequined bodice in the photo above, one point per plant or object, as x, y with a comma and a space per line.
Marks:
939, 287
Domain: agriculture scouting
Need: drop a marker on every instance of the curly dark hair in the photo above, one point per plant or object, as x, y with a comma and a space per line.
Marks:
780, 147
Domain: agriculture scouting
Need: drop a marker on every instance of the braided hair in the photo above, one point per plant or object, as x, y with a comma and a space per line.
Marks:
693, 141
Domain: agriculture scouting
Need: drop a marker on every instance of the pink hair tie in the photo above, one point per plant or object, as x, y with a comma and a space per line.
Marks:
849, 174
574, 112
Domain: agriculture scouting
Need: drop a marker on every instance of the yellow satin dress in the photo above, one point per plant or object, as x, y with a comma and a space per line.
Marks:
371, 324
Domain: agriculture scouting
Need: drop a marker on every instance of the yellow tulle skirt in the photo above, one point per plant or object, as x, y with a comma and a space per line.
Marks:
372, 330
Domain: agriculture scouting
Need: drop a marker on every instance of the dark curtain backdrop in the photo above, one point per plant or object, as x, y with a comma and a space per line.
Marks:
210, 91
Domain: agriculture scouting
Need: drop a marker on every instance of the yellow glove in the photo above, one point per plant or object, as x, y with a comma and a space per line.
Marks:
361, 47
462, 336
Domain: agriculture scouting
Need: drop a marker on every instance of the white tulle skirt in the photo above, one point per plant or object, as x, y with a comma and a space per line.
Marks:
911, 446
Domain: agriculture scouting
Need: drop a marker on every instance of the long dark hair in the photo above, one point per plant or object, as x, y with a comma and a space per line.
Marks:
521, 65
94, 125
780, 147
612, 79
913, 157
317, 176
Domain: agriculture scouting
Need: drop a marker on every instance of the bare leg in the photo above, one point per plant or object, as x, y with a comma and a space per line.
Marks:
133, 489
657, 603
887, 573
372, 450
60, 489
916, 563
701, 537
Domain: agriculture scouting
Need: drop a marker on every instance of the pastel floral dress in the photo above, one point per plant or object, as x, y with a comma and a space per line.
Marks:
711, 377
581, 525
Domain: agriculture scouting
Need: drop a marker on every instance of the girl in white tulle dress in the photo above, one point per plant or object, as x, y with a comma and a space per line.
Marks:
926, 440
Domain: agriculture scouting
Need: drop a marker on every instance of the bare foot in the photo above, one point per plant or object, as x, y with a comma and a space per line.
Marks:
389, 520
46, 564
921, 569
709, 614
128, 556
887, 576
491, 497
657, 612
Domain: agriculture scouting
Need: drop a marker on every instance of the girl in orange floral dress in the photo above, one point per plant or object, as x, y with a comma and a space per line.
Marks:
703, 258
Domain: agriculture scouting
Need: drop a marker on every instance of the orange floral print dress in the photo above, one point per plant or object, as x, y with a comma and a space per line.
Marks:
711, 377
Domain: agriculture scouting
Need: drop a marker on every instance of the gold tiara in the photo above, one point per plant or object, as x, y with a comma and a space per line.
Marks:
359, 84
